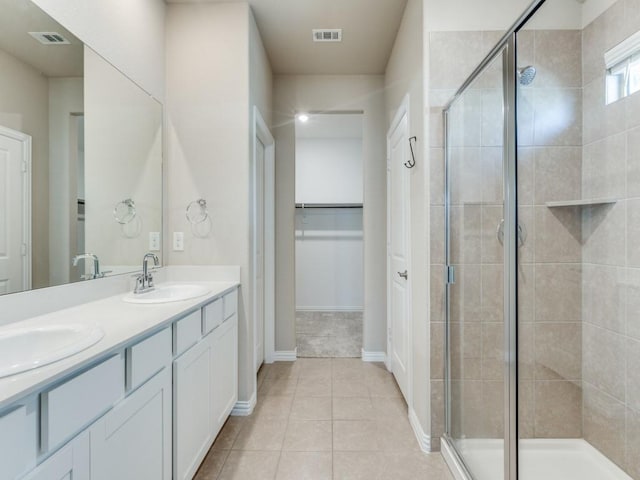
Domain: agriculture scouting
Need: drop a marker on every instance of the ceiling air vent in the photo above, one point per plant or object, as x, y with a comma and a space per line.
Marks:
50, 38
327, 34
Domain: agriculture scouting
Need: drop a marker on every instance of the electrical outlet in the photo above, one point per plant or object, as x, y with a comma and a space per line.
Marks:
178, 241
154, 241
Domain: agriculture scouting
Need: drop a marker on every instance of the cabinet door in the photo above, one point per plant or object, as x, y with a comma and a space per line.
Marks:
133, 441
19, 439
225, 371
192, 419
71, 462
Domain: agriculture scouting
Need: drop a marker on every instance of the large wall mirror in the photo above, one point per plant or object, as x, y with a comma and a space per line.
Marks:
80, 158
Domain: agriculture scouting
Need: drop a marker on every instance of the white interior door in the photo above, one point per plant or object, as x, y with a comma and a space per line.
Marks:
398, 251
15, 159
260, 258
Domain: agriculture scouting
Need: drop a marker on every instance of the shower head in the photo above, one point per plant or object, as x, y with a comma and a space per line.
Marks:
526, 75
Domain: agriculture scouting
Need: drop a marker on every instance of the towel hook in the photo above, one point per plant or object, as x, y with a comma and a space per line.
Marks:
412, 162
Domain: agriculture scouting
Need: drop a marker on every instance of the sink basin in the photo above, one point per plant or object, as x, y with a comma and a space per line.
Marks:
23, 349
168, 293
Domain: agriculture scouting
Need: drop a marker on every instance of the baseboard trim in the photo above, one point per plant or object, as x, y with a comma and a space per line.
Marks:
373, 356
424, 440
244, 408
359, 308
285, 355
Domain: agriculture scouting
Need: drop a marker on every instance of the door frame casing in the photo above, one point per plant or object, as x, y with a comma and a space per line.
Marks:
263, 134
402, 111
26, 200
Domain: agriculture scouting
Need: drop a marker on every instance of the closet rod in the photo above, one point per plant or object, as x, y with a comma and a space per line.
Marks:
328, 205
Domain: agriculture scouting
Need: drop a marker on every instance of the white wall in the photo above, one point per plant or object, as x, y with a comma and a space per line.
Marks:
24, 106
66, 98
329, 243
328, 93
329, 260
216, 71
329, 170
404, 75
260, 77
129, 34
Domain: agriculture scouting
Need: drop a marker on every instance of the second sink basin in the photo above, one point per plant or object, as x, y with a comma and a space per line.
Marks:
23, 349
168, 293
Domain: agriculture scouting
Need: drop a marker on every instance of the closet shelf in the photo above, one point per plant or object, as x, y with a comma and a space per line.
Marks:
589, 202
328, 205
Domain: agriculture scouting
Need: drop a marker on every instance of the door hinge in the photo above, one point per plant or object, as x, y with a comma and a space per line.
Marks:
23, 167
23, 249
451, 275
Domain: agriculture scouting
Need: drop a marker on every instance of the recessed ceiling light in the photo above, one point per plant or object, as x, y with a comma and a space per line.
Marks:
303, 117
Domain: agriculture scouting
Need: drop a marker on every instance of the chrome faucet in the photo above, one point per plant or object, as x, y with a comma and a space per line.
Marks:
144, 282
96, 266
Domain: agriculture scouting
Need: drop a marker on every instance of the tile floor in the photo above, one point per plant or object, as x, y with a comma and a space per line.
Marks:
329, 334
322, 419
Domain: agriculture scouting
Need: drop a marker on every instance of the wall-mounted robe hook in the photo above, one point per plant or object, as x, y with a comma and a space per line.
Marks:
412, 162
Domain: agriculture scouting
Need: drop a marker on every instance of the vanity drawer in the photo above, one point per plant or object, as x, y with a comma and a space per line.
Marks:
148, 357
230, 304
70, 407
212, 315
18, 441
186, 332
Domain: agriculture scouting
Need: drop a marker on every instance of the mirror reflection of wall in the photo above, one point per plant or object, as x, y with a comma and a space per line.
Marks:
329, 235
123, 136
46, 173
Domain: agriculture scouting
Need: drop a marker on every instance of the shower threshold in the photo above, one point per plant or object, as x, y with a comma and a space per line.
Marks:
540, 459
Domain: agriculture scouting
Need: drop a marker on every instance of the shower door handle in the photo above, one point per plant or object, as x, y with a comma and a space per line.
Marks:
404, 274
522, 233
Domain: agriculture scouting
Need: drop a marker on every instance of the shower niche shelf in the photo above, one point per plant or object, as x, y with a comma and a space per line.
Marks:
589, 202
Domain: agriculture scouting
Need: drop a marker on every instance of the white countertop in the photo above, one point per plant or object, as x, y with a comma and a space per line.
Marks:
123, 323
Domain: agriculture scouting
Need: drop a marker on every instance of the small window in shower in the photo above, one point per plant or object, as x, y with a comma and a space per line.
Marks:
623, 69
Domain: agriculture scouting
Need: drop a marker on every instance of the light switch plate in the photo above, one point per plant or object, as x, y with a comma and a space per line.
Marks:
154, 241
178, 241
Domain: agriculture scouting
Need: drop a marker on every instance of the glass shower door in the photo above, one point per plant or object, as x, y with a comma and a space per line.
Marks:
475, 257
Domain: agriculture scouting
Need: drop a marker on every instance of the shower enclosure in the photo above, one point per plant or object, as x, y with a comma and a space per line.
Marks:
542, 155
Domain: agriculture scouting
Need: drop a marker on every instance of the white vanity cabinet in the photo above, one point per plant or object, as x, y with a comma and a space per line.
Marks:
71, 462
205, 385
133, 440
192, 414
18, 439
225, 370
149, 410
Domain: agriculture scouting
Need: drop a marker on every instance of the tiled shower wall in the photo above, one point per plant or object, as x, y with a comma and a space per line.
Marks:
611, 249
580, 267
550, 262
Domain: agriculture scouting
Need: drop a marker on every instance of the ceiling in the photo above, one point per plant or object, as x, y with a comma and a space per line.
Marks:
22, 16
369, 28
